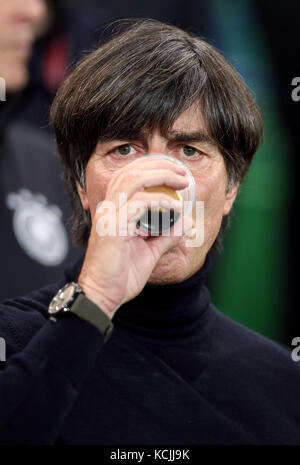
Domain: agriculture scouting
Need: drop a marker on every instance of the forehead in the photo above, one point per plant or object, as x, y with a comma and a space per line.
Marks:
191, 119
188, 126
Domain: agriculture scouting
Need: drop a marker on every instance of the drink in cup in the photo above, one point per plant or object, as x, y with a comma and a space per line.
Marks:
160, 219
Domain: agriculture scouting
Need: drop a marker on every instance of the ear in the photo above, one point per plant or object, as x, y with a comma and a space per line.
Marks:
230, 198
83, 196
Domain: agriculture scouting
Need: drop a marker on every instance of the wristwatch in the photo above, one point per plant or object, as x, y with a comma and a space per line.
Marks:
71, 299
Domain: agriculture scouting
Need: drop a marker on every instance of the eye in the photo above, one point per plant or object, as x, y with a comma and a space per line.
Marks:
124, 150
189, 151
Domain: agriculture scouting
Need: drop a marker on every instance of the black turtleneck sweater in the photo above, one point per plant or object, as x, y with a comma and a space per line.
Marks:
174, 371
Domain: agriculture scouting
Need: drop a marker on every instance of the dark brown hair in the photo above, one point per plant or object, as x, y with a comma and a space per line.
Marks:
145, 77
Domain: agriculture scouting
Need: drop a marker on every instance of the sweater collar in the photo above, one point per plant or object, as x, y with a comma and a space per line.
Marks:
169, 311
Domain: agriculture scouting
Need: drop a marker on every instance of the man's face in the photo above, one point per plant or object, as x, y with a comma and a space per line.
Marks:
208, 168
21, 21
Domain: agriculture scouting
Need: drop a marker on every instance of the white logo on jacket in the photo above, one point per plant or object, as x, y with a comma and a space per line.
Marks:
38, 227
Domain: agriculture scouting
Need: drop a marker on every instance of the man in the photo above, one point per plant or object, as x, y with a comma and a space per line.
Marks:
35, 244
134, 352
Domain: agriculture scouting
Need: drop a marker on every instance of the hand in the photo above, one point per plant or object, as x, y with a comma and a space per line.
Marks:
116, 269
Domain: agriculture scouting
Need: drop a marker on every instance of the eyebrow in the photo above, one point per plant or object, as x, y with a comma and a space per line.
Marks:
194, 136
199, 136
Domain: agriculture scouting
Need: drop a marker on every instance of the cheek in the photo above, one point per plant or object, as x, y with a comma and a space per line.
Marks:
211, 190
97, 180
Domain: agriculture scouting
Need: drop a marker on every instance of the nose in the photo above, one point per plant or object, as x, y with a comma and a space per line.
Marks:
31, 11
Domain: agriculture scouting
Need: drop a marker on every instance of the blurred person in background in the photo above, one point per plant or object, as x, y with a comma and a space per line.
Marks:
21, 23
73, 28
35, 244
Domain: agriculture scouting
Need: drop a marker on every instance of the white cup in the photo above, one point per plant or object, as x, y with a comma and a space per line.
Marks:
157, 220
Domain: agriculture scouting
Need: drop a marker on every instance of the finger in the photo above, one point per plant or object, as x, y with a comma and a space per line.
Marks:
135, 209
135, 183
143, 163
159, 199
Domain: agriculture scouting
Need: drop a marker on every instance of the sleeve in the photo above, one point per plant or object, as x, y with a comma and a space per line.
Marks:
40, 384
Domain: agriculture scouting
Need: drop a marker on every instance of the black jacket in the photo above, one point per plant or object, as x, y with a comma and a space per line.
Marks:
174, 371
34, 208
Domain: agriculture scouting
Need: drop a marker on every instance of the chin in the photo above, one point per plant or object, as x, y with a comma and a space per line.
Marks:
172, 267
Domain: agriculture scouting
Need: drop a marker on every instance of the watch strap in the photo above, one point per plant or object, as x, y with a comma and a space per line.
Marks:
89, 311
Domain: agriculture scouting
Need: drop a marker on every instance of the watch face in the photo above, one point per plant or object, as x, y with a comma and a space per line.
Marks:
63, 298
